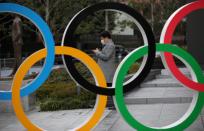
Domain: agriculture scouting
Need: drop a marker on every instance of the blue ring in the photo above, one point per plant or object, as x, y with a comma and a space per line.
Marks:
49, 44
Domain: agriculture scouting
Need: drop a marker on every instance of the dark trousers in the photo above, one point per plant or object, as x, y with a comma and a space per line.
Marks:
110, 103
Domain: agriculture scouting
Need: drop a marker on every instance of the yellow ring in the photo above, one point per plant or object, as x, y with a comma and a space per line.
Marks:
31, 60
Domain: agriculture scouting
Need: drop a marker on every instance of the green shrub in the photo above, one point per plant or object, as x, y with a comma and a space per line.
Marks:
66, 104
134, 68
59, 92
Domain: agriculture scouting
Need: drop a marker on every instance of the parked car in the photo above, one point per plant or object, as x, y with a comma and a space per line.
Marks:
120, 52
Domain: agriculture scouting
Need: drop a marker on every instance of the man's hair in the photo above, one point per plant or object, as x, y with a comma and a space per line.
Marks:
105, 34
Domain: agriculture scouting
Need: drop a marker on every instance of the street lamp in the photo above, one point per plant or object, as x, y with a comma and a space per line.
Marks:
106, 19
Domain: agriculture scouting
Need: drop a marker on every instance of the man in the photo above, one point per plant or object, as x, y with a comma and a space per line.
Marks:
106, 59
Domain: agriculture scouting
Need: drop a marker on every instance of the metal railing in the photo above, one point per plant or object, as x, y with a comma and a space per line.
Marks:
7, 62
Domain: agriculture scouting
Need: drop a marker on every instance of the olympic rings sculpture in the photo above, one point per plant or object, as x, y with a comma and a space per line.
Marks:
118, 87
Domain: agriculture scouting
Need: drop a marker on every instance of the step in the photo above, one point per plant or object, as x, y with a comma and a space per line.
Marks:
185, 71
163, 76
159, 95
161, 83
169, 76
152, 75
168, 72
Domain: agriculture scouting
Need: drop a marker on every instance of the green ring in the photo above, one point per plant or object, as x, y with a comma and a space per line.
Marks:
122, 70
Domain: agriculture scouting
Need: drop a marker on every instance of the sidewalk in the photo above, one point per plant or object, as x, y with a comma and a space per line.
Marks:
154, 115
51, 121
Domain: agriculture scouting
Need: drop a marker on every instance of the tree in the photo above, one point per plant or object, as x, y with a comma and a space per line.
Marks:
17, 42
156, 12
57, 14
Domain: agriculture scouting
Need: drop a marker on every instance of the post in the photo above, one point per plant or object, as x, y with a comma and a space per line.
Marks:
47, 11
106, 20
152, 15
78, 89
4, 62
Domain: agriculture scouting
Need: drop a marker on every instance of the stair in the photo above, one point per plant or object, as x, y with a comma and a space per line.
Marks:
162, 89
164, 83
160, 95
157, 102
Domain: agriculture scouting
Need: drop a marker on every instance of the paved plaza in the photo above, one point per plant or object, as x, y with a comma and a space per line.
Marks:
152, 115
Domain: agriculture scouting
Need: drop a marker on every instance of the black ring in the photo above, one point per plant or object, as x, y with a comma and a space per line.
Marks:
68, 40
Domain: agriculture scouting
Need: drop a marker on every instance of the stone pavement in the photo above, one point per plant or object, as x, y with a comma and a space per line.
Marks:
51, 121
154, 115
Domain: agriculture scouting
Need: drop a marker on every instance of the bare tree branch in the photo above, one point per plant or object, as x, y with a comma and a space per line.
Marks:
5, 37
4, 17
5, 23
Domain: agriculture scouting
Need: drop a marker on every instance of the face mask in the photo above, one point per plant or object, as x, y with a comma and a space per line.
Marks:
102, 42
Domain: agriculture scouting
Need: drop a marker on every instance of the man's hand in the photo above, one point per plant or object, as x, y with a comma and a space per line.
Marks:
96, 50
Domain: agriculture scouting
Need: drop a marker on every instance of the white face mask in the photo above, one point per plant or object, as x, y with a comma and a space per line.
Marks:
102, 42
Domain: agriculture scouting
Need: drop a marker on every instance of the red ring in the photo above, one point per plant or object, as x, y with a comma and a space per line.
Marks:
185, 10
